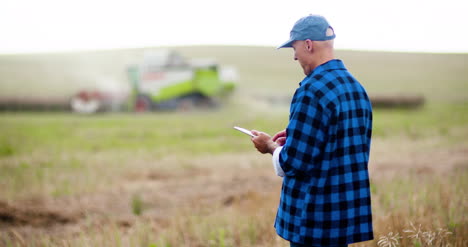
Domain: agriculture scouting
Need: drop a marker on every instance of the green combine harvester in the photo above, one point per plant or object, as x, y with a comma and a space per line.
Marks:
164, 80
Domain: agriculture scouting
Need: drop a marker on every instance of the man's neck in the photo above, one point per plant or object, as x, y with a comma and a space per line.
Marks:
321, 59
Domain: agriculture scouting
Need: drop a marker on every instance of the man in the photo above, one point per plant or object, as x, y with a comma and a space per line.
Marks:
323, 153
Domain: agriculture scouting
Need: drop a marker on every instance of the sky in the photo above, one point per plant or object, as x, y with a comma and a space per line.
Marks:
64, 25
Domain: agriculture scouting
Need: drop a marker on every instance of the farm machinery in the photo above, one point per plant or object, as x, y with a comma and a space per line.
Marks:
163, 80
166, 81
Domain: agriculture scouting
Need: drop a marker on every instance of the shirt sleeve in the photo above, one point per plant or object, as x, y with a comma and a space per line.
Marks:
276, 163
306, 134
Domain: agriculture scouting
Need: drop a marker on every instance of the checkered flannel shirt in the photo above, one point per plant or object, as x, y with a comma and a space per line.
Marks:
325, 197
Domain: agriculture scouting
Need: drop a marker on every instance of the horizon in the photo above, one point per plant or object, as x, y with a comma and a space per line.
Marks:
273, 48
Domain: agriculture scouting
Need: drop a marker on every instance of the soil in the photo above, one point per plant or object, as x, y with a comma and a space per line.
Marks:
13, 215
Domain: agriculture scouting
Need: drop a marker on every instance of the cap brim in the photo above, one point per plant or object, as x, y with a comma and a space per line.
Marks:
286, 44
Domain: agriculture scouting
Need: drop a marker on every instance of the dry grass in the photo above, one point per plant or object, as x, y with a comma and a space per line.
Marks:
231, 199
189, 180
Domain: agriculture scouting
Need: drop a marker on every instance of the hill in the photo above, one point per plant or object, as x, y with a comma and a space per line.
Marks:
264, 71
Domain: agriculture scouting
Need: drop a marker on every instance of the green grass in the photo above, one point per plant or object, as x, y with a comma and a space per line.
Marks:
36, 146
193, 133
166, 134
447, 120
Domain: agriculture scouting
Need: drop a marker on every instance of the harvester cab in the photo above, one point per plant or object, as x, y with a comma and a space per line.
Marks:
165, 80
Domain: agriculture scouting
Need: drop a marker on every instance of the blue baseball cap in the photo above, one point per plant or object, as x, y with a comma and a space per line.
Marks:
313, 27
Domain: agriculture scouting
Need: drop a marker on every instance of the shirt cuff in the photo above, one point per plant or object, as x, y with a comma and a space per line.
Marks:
276, 164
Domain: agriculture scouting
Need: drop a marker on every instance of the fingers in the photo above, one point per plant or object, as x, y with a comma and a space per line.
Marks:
279, 135
259, 133
264, 143
256, 133
281, 141
260, 137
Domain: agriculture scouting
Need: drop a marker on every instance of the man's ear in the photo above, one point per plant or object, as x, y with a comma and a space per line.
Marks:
309, 45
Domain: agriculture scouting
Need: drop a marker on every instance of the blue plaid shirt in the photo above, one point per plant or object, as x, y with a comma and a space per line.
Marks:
325, 197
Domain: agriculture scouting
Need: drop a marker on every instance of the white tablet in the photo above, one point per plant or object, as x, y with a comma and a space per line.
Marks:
247, 132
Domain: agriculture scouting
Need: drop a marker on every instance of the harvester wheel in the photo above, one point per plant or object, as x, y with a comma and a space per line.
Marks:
142, 104
185, 104
85, 102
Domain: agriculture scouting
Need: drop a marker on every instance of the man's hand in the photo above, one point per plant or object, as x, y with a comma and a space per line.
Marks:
263, 142
280, 138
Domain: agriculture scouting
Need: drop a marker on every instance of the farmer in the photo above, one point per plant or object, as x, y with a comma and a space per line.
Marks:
323, 153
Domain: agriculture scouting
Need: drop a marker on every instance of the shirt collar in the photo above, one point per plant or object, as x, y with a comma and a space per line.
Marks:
334, 64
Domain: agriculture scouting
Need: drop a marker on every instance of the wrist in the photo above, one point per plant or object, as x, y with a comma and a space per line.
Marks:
272, 147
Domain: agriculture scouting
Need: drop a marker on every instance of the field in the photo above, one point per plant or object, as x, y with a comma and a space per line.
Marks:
189, 179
